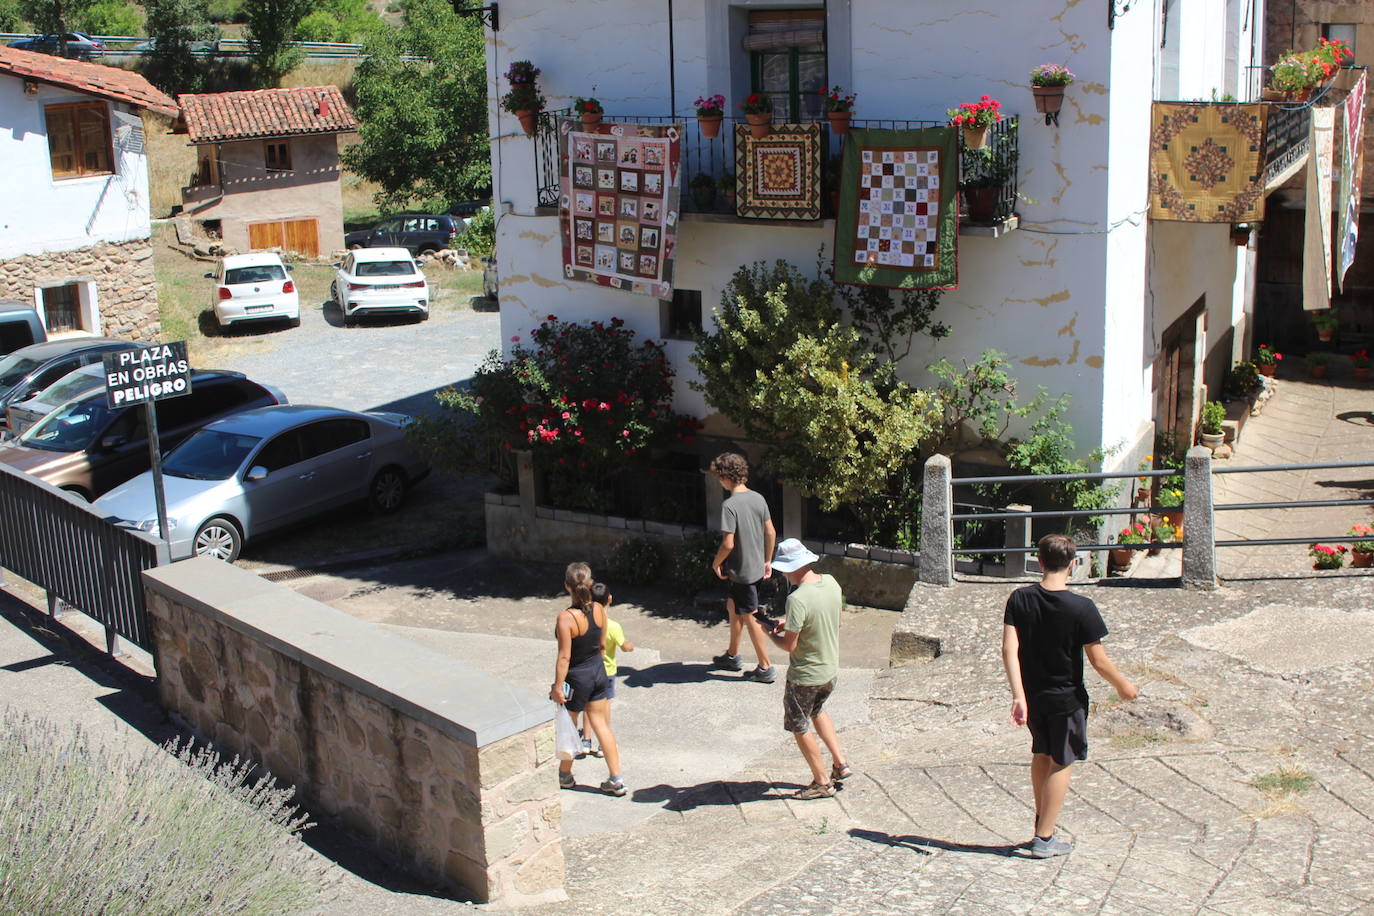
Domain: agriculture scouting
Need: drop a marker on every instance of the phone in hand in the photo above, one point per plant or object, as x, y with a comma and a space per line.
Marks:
567, 691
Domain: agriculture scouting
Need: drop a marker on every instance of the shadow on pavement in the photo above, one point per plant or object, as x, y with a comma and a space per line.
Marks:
672, 673
713, 794
924, 845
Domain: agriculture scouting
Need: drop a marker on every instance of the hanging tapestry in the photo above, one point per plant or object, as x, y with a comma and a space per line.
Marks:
779, 175
1316, 249
1207, 162
897, 224
1352, 177
618, 206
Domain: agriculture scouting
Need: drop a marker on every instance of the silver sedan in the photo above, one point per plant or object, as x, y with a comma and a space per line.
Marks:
268, 468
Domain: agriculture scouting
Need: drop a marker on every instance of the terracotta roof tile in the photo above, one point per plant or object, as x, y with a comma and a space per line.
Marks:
220, 116
94, 79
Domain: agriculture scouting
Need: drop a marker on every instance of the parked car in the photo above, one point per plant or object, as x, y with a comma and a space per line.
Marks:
469, 208
88, 448
254, 287
268, 468
20, 326
20, 415
379, 280
29, 370
80, 46
195, 47
418, 233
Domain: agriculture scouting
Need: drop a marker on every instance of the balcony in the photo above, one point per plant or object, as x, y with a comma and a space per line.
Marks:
994, 168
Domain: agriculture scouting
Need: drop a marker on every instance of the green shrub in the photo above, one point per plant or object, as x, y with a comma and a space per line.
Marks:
635, 562
1213, 415
479, 238
1241, 379
90, 829
690, 566
111, 17
227, 11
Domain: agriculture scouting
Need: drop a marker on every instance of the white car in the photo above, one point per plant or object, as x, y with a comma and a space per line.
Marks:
371, 281
254, 287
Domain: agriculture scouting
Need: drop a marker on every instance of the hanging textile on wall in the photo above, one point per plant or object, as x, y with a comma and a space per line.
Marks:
618, 207
779, 175
1207, 162
1316, 249
1352, 176
897, 224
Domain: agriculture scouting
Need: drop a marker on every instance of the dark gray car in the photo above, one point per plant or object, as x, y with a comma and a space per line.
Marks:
415, 232
29, 370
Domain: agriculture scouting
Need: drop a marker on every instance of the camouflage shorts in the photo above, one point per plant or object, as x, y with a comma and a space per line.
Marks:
803, 702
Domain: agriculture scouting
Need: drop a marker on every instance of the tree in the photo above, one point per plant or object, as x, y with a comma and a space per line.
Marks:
9, 15
271, 30
53, 17
423, 133
338, 20
110, 17
174, 25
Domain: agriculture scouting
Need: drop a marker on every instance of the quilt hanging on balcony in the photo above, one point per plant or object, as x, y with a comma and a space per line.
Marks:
1207, 162
897, 223
618, 204
779, 175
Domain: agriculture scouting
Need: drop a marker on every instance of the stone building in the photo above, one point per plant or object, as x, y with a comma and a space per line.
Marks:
74, 217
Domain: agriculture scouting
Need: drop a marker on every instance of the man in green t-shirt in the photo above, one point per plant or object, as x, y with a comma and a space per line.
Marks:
811, 637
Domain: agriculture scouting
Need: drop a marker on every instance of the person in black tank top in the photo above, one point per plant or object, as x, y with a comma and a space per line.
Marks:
579, 679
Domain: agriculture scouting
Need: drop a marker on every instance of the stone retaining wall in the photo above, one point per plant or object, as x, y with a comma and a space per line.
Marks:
447, 771
126, 291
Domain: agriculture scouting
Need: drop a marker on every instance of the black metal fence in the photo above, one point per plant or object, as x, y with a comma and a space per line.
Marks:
63, 546
667, 491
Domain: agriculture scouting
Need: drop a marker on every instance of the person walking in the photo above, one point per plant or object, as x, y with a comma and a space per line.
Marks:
579, 679
810, 634
1046, 630
743, 558
615, 641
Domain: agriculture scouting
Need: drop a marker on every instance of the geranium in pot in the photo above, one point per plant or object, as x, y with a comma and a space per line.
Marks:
839, 108
974, 118
1326, 321
1362, 551
1267, 359
1317, 364
1294, 76
985, 174
1360, 360
1127, 538
1327, 556
524, 100
758, 111
589, 110
1213, 434
1047, 83
710, 112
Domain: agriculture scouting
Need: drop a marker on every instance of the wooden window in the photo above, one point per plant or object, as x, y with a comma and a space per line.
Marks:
787, 61
62, 308
79, 139
1341, 31
680, 317
278, 156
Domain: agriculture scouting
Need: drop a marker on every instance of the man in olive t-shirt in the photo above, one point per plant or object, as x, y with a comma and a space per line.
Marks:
811, 636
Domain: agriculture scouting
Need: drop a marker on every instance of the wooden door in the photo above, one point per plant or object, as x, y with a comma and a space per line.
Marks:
265, 235
302, 236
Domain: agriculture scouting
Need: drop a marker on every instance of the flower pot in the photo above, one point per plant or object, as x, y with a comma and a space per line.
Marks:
1119, 558
1174, 517
704, 198
1362, 559
1268, 369
981, 203
1048, 99
1154, 551
1297, 95
1240, 237
1212, 440
1361, 373
529, 117
1142, 496
839, 122
1325, 334
591, 118
760, 125
1325, 566
975, 137
709, 125
1318, 372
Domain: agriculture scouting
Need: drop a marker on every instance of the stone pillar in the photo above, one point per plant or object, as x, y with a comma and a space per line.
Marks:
793, 512
527, 481
715, 498
1199, 521
936, 563
1018, 535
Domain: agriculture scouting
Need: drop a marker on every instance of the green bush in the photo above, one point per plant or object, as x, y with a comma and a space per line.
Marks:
1241, 379
90, 829
111, 17
227, 11
690, 566
9, 16
479, 238
635, 562
1213, 415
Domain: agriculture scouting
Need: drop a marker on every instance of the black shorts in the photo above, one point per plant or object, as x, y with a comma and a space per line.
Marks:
589, 684
745, 595
1061, 735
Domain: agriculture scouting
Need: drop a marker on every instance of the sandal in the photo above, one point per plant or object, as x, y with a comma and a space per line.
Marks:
840, 771
813, 791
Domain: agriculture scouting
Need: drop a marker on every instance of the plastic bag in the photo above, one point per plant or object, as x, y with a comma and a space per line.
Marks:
566, 739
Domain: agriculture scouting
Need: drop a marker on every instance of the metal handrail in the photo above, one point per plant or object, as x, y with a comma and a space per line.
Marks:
1104, 475
1165, 545
1064, 513
1318, 466
1297, 504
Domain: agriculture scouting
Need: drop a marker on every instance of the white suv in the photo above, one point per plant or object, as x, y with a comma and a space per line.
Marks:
380, 280
254, 287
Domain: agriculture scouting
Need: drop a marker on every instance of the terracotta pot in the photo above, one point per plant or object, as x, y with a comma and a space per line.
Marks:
1268, 369
1297, 95
1362, 559
975, 137
1319, 372
1048, 99
982, 204
760, 125
1325, 334
1154, 551
1174, 517
839, 122
1142, 496
1119, 558
709, 125
591, 118
1361, 373
529, 117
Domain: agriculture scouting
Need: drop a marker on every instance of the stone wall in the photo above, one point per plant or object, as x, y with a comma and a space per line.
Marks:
126, 291
447, 772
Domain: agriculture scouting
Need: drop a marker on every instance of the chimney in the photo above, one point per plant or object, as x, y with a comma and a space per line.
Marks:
324, 105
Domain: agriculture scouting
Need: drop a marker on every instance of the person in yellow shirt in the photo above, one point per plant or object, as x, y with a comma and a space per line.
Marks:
615, 640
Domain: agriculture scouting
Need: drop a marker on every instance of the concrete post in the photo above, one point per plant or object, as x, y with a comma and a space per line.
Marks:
937, 527
793, 512
1018, 535
528, 484
715, 498
1199, 521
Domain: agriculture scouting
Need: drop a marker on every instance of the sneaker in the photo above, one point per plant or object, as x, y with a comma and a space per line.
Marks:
728, 662
566, 781
586, 749
614, 786
762, 675
1042, 848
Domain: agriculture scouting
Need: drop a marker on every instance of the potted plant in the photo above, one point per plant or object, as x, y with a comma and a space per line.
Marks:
1170, 499
1047, 83
1362, 551
726, 186
589, 110
1240, 234
1162, 532
974, 118
710, 112
1293, 76
1267, 359
1316, 363
1326, 321
523, 100
839, 108
1360, 360
1327, 556
758, 111
703, 189
1213, 415
984, 175
1142, 490
1242, 380
1127, 538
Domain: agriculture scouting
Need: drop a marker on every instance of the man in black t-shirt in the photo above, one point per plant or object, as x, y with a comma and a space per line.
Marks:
1046, 630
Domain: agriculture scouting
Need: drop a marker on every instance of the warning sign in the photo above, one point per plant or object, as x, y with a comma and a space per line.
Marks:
147, 374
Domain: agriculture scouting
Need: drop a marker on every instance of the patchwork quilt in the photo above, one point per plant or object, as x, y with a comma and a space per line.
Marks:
1207, 162
779, 175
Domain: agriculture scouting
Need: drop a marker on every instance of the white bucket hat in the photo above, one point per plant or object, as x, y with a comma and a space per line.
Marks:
792, 555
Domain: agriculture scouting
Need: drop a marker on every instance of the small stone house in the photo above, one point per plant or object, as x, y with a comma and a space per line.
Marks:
267, 167
74, 216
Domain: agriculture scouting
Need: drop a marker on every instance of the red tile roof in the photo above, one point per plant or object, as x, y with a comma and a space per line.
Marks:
93, 79
221, 116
